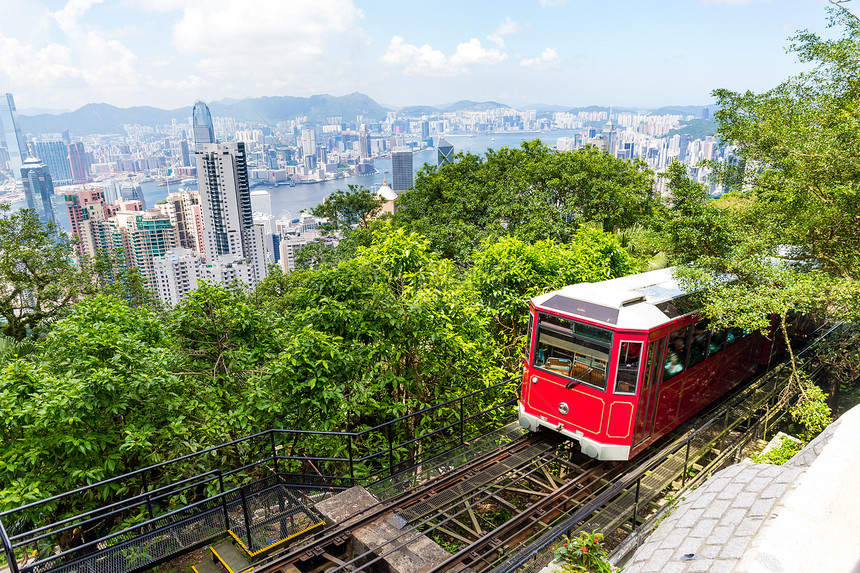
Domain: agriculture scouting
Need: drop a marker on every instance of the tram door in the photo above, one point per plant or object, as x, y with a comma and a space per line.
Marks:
650, 390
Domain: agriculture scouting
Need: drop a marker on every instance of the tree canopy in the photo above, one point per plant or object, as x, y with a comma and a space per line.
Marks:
531, 192
38, 278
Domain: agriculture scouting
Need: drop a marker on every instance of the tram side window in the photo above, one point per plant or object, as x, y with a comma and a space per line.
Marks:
718, 341
676, 353
629, 355
699, 342
581, 356
734, 334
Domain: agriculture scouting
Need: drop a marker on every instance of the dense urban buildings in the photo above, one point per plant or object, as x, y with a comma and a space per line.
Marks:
215, 219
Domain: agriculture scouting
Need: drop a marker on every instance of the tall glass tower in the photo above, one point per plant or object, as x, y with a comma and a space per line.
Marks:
401, 167
12, 133
39, 189
204, 129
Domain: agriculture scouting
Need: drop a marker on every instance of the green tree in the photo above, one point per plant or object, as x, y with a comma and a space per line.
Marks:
38, 278
346, 210
530, 192
411, 331
509, 272
789, 232
99, 400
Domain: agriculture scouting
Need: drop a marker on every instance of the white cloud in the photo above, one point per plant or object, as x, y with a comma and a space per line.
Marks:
415, 59
547, 3
506, 28
259, 46
427, 60
549, 58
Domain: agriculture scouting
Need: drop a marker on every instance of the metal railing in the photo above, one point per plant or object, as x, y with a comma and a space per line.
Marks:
162, 512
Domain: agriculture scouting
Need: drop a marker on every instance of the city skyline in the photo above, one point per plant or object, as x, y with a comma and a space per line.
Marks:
59, 56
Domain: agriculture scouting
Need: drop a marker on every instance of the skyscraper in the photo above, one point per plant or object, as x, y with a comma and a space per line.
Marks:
445, 152
184, 153
401, 169
225, 201
78, 162
11, 131
363, 143
56, 155
38, 189
609, 135
204, 129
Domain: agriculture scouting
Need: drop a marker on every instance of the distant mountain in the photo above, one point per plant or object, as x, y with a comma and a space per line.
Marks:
419, 110
103, 118
696, 128
283, 108
467, 105
695, 110
544, 107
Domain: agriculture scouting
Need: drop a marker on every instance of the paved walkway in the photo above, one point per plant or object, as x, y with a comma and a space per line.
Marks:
756, 518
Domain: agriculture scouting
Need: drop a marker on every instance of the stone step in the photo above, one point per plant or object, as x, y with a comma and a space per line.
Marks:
230, 557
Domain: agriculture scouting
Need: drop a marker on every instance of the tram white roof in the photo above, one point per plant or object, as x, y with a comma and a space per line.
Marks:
636, 302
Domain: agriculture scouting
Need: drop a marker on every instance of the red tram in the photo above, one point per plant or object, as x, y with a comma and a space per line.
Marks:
617, 364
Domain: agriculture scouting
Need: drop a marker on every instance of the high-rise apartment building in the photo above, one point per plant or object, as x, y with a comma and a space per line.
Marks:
38, 189
204, 129
56, 155
144, 236
90, 216
401, 169
178, 271
78, 162
225, 201
183, 210
444, 152
12, 133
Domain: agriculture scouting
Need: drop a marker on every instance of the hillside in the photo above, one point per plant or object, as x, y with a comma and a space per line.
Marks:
105, 118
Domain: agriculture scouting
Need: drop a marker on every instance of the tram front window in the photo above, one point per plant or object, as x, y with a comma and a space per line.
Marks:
576, 351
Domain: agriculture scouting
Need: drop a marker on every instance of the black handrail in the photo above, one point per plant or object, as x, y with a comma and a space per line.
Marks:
268, 442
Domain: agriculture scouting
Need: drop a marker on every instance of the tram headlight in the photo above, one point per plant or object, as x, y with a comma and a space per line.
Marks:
563, 408
534, 379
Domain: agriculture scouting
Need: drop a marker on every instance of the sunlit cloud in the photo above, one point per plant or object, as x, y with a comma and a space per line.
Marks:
549, 58
427, 60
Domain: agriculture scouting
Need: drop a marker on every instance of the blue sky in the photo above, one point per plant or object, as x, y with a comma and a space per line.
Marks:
61, 54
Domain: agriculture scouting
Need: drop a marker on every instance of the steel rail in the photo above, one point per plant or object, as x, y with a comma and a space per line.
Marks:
373, 512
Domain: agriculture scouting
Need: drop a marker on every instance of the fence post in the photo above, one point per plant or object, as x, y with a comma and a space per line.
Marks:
635, 507
224, 501
462, 421
686, 461
247, 518
390, 449
351, 468
8, 550
274, 452
146, 491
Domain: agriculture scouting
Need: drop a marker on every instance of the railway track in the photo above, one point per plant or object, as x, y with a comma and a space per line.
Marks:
488, 512
479, 511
